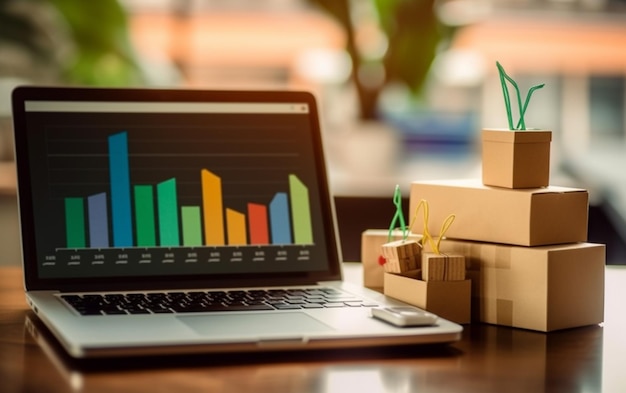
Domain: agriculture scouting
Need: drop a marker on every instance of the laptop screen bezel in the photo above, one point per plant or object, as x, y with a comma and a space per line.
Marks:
25, 201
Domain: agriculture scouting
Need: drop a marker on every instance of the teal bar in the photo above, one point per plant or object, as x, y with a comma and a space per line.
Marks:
119, 173
192, 232
168, 213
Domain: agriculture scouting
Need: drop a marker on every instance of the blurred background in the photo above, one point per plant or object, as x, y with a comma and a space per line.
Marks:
404, 86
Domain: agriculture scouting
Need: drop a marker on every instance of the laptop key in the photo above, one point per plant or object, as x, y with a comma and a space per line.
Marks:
257, 307
138, 311
161, 311
287, 307
334, 305
89, 311
114, 311
255, 302
295, 302
312, 305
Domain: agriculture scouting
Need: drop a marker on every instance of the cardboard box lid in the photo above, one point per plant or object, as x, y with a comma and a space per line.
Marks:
509, 136
477, 184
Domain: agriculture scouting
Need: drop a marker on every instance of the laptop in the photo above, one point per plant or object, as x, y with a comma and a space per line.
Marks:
164, 221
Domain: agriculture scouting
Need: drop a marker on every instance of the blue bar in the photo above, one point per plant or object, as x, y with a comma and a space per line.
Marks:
120, 190
280, 225
98, 221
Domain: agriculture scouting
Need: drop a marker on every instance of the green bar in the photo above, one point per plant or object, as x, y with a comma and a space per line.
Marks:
144, 216
75, 222
300, 211
168, 213
192, 234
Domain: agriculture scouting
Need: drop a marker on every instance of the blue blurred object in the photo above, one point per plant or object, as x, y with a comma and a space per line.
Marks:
435, 132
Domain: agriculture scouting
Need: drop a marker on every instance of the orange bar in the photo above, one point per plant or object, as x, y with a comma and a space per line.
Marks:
212, 206
236, 227
258, 224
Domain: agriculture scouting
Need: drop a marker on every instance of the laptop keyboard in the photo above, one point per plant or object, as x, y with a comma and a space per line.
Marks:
212, 301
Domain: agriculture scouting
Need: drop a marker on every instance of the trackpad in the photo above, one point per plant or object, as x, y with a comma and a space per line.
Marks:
254, 324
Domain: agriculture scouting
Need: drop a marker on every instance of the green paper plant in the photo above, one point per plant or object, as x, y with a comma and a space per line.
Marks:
521, 124
398, 216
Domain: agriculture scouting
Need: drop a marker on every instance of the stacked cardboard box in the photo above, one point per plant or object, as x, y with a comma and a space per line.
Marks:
526, 251
541, 288
524, 241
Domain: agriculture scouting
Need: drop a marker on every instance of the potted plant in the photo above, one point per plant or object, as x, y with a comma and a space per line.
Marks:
517, 157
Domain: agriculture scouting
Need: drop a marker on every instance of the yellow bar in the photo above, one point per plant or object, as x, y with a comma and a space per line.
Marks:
236, 227
212, 206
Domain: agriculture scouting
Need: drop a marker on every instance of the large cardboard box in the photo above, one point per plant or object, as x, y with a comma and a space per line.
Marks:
516, 159
525, 217
448, 299
372, 241
540, 288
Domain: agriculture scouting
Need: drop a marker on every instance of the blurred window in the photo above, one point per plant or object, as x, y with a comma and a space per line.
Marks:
606, 97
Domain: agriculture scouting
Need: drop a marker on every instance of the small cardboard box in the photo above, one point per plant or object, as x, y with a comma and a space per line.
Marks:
539, 288
448, 299
371, 250
516, 159
401, 256
442, 267
525, 217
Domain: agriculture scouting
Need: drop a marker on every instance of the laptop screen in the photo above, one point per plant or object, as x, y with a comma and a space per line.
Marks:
172, 186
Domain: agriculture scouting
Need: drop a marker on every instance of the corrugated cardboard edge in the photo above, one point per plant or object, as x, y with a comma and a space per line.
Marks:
516, 136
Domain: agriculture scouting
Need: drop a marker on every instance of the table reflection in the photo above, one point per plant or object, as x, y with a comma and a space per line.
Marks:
488, 358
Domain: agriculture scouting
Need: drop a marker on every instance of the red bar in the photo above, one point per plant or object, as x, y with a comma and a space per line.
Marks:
257, 223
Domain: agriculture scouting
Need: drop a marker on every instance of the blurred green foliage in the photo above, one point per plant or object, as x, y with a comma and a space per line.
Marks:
414, 34
67, 41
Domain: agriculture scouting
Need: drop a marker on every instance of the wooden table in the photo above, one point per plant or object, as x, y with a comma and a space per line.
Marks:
487, 359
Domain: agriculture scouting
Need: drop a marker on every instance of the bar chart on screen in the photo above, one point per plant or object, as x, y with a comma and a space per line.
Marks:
150, 215
121, 190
